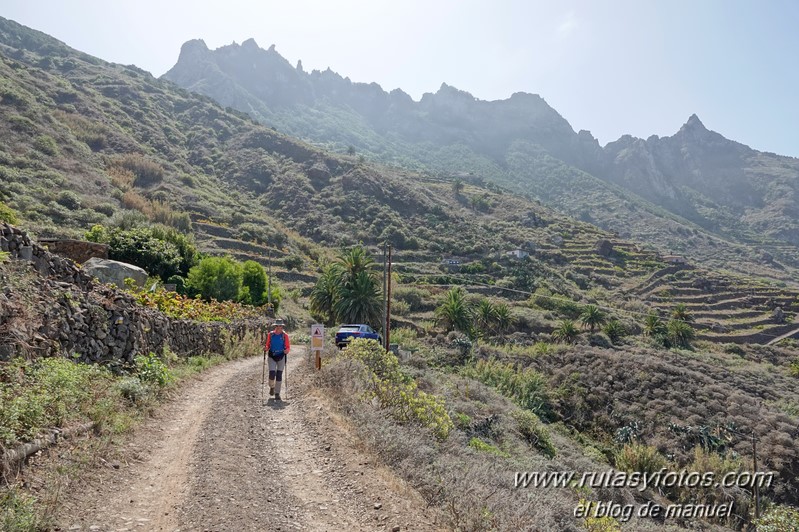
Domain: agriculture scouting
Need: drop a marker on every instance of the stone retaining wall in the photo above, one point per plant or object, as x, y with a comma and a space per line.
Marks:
49, 307
78, 250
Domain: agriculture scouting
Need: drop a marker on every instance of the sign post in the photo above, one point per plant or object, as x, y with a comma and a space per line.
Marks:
317, 343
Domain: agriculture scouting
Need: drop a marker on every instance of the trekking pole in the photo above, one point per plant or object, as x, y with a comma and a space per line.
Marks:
285, 375
263, 376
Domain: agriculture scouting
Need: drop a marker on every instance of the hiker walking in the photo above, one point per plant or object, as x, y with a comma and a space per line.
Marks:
277, 347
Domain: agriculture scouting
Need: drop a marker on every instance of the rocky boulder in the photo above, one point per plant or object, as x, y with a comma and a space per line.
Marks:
114, 272
603, 248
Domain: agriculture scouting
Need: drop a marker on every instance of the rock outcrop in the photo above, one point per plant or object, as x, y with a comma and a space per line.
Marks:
115, 272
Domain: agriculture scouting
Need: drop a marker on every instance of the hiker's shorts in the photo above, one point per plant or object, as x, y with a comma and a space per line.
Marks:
275, 365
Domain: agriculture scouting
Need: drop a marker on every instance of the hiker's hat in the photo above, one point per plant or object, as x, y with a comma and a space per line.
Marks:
279, 323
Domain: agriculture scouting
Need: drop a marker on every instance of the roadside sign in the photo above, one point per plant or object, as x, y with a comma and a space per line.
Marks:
317, 336
317, 343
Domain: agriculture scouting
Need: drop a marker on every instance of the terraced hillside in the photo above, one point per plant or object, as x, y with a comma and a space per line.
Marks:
725, 308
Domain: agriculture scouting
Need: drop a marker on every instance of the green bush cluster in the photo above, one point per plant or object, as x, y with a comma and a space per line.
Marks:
533, 431
151, 369
18, 512
7, 214
159, 250
46, 144
398, 392
640, 458
525, 387
479, 445
42, 394
225, 279
779, 519
406, 338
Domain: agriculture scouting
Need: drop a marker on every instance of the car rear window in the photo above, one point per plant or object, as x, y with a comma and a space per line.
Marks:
349, 328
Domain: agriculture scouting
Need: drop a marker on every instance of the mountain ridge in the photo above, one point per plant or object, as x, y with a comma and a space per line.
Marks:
724, 187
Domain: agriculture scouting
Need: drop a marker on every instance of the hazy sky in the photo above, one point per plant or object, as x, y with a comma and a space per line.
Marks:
610, 66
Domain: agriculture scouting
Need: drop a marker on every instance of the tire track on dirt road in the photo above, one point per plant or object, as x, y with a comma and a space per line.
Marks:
218, 458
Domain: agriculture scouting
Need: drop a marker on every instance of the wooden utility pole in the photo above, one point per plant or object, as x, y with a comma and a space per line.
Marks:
388, 301
269, 282
385, 308
754, 467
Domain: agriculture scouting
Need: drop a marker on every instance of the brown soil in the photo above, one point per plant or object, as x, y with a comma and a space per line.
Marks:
219, 458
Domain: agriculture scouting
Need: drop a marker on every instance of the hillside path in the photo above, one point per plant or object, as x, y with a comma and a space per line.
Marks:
218, 458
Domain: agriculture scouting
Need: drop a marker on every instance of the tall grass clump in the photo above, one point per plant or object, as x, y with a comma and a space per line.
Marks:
526, 387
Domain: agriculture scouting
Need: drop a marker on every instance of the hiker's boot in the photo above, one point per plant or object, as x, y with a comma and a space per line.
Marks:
271, 387
277, 397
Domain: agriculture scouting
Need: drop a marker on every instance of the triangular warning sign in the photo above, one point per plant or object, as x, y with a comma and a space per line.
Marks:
317, 332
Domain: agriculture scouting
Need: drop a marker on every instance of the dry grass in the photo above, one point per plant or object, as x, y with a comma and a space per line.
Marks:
474, 488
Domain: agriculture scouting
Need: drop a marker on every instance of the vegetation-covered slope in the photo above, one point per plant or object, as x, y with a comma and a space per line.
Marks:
88, 142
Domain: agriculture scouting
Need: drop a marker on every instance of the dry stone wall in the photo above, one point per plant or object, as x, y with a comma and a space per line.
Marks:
48, 307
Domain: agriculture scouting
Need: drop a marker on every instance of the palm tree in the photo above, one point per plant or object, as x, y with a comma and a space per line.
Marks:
567, 332
682, 313
614, 330
485, 317
455, 312
653, 325
325, 293
592, 317
359, 299
355, 260
680, 333
348, 290
505, 318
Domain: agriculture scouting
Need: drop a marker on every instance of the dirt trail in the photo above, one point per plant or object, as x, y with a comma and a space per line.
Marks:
218, 458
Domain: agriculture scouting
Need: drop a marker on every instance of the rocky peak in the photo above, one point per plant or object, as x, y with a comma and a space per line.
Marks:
193, 49
250, 45
693, 128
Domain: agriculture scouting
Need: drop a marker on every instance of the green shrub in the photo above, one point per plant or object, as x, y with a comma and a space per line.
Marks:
43, 394
462, 421
22, 124
134, 390
793, 368
18, 512
253, 281
160, 250
414, 297
46, 144
397, 392
526, 387
484, 447
779, 519
107, 209
534, 432
400, 308
68, 199
406, 338
215, 278
151, 369
293, 262
639, 458
7, 214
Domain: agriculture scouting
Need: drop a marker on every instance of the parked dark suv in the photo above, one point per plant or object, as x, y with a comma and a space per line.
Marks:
348, 332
